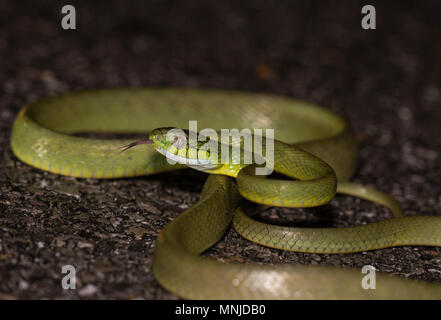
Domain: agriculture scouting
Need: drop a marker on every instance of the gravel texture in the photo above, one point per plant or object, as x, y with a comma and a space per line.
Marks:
385, 81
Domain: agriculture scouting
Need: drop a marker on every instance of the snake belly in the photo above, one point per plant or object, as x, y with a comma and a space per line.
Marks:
41, 138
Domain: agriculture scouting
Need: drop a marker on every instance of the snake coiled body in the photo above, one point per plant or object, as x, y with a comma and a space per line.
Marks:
40, 137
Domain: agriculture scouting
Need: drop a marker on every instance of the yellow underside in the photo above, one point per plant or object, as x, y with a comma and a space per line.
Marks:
228, 169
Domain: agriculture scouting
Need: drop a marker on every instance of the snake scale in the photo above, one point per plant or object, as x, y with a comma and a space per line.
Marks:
313, 146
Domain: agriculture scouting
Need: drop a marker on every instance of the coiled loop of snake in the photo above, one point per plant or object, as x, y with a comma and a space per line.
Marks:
40, 138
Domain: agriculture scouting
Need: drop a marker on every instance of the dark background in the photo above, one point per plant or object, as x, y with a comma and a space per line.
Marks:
386, 82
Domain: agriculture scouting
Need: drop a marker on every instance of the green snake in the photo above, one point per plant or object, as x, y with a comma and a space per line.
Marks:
314, 147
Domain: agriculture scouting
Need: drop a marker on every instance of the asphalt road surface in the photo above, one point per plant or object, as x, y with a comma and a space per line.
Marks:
385, 81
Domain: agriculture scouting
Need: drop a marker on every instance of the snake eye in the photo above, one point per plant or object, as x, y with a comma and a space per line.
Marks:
180, 141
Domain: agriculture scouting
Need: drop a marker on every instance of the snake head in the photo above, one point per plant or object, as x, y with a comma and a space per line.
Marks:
178, 145
162, 138
168, 137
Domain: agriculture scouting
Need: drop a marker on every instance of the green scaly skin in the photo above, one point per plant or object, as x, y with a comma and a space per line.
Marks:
40, 138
